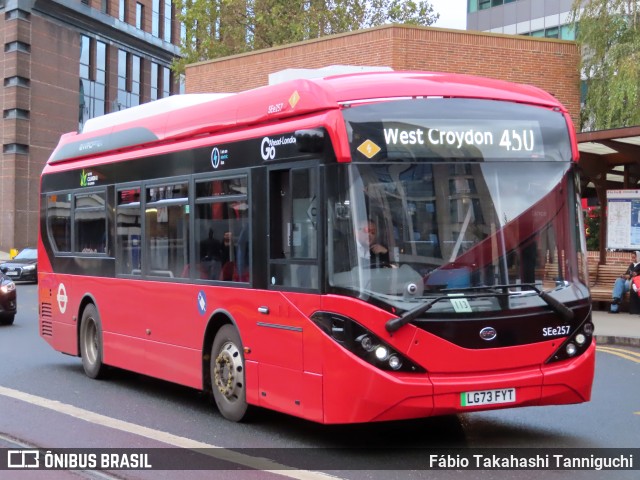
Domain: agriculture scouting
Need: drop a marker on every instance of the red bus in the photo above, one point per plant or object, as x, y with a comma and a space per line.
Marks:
355, 248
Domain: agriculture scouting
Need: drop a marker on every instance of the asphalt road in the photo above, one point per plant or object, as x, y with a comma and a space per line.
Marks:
46, 401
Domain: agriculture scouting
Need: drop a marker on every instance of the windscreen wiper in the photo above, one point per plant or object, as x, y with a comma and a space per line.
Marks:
561, 309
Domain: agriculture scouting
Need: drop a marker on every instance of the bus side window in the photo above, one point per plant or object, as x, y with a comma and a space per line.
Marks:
90, 222
59, 221
128, 232
167, 232
221, 231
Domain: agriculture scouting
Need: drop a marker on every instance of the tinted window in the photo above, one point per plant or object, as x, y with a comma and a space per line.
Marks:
59, 221
222, 230
90, 218
167, 230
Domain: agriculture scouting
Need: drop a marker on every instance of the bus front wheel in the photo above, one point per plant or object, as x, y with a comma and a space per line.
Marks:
227, 374
91, 342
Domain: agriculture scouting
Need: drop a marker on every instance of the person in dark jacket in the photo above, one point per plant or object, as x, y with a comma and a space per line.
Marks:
369, 248
623, 284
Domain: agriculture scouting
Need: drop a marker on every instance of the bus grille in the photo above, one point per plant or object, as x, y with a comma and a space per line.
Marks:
45, 317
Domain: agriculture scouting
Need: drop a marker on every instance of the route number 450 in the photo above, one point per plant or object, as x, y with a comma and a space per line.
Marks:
516, 141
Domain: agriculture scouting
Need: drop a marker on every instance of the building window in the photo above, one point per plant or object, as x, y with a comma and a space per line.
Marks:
17, 81
15, 148
564, 32
122, 10
155, 18
472, 6
485, 4
17, 46
139, 16
160, 81
567, 32
153, 94
166, 82
93, 79
553, 32
123, 97
17, 14
129, 80
136, 79
16, 113
167, 20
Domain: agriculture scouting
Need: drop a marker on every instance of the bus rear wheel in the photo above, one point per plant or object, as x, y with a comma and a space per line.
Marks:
227, 374
91, 342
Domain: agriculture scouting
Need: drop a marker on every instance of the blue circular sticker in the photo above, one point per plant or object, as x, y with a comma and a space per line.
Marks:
202, 302
215, 157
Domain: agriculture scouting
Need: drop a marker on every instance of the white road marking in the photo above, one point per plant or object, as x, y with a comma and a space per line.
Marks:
221, 453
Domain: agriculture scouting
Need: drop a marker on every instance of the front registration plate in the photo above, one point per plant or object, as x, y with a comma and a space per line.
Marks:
488, 397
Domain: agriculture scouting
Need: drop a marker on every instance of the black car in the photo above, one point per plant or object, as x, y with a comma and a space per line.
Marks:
8, 300
23, 267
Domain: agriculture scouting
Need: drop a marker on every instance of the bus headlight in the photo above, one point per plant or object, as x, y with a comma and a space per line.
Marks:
394, 362
365, 344
382, 353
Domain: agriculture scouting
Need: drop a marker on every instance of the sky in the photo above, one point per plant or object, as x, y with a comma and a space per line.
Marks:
453, 13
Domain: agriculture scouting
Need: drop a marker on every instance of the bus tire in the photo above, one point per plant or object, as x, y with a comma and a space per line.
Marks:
91, 342
227, 374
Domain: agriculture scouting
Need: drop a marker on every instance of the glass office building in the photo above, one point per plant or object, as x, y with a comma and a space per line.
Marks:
538, 18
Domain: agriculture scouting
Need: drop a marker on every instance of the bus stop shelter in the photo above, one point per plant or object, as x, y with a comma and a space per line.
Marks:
609, 160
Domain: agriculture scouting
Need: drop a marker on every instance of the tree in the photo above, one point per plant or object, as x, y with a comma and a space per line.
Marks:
609, 34
592, 225
217, 28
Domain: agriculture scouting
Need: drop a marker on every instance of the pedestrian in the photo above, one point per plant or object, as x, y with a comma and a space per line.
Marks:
623, 284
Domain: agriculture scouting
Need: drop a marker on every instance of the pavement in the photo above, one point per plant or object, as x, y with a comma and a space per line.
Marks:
620, 328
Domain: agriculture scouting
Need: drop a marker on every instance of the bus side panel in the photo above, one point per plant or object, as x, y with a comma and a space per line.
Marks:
58, 312
175, 363
291, 391
153, 328
124, 352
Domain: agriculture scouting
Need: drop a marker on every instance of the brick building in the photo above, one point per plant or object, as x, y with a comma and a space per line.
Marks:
66, 61
546, 63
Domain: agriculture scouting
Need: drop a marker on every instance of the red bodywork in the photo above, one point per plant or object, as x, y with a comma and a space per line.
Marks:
159, 331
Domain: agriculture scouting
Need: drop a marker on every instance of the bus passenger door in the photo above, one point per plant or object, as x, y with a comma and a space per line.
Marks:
293, 279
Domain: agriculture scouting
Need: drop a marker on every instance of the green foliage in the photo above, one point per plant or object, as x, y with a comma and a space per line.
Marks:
592, 225
609, 33
218, 28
